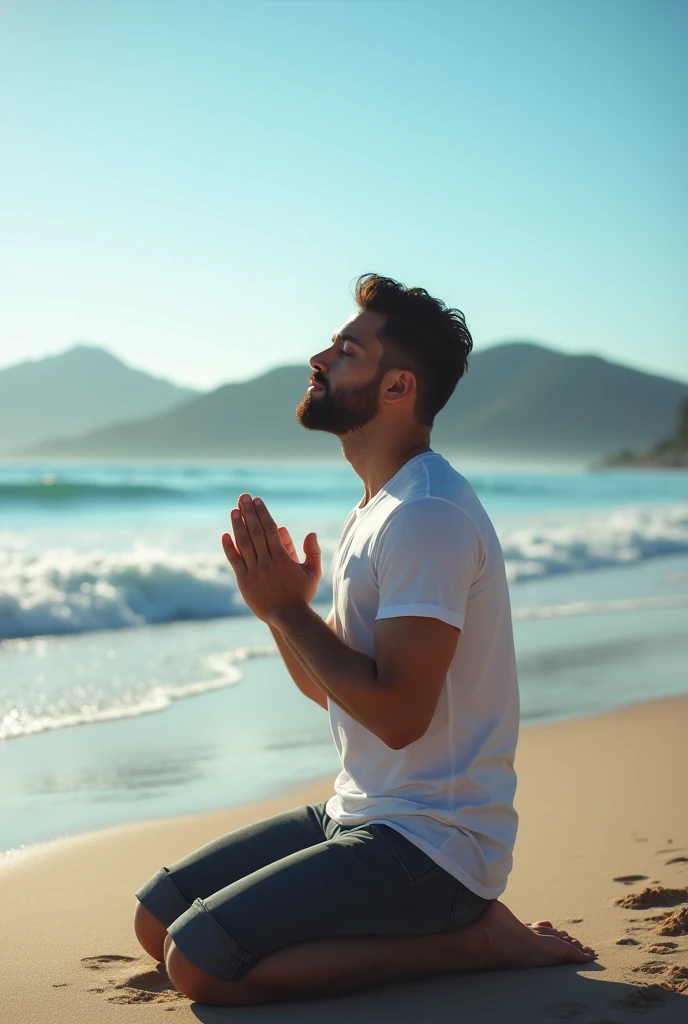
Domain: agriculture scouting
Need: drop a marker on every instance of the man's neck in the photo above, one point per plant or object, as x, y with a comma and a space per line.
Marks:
376, 459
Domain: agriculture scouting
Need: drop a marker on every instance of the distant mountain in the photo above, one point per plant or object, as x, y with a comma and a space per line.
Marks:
527, 401
76, 391
517, 400
670, 452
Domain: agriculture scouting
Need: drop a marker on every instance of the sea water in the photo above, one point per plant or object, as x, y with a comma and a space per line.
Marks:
119, 614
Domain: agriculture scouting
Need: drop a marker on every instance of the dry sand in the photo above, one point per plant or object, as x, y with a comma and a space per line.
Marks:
602, 851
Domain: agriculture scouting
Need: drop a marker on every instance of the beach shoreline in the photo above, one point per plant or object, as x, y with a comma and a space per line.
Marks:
226, 746
600, 800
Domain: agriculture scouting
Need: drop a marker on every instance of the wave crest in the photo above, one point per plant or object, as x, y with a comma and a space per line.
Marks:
65, 590
619, 537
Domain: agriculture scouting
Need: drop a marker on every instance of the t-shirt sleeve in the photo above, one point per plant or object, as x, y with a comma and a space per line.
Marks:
427, 555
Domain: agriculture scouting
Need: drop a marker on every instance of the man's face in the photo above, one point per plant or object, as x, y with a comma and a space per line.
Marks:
345, 383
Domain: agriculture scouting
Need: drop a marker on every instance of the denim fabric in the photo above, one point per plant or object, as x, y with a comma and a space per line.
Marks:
296, 876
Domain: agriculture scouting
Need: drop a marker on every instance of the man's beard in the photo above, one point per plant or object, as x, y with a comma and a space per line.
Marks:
352, 406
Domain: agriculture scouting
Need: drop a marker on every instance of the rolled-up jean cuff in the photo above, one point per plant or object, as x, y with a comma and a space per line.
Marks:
162, 898
207, 945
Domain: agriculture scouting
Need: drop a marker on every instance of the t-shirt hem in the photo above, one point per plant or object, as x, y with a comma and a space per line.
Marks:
444, 862
427, 611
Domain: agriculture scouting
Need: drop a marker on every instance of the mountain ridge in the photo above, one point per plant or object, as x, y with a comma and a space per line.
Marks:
82, 389
518, 399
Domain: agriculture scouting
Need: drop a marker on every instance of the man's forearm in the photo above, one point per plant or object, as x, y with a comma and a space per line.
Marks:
298, 670
348, 677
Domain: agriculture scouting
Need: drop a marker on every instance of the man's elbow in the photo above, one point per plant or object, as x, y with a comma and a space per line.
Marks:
402, 738
396, 744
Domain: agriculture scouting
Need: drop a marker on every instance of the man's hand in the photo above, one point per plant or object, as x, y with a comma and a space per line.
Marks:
269, 575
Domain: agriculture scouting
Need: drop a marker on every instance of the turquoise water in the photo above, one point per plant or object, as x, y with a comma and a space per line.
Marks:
119, 617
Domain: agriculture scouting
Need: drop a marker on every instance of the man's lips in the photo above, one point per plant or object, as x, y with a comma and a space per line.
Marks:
316, 385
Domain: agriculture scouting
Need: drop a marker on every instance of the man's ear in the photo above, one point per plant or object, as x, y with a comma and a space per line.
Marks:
403, 385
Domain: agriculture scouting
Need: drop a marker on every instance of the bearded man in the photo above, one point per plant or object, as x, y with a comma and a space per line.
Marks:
397, 875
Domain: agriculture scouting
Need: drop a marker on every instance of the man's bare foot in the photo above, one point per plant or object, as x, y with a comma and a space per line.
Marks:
501, 940
546, 928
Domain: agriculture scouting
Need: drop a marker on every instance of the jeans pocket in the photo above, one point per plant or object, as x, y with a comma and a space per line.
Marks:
416, 864
467, 907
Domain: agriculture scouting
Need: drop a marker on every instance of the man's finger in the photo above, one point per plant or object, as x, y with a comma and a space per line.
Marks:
254, 527
233, 557
288, 543
270, 531
311, 550
242, 539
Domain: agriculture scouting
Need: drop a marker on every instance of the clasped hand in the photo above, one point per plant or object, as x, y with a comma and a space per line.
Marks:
269, 575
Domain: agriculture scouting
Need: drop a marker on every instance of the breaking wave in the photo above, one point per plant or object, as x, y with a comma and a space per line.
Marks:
65, 590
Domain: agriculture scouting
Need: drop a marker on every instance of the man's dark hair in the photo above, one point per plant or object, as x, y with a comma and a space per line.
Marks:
420, 334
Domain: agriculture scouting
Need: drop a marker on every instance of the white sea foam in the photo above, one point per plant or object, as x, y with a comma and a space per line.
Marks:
24, 721
71, 591
75, 590
597, 540
24, 717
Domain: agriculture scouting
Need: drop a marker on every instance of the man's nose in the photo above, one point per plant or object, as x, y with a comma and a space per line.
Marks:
319, 363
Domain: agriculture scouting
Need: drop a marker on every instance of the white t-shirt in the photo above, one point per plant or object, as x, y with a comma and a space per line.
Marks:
424, 545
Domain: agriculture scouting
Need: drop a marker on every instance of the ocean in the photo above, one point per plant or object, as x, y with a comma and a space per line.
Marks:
134, 684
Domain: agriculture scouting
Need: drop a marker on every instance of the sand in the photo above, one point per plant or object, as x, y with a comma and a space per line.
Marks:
602, 851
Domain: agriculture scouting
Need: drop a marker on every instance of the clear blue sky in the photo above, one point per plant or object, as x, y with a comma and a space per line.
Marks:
195, 184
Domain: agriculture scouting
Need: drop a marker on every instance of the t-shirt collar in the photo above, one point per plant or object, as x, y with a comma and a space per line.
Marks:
358, 511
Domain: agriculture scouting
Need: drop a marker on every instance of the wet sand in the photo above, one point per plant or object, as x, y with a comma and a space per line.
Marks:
602, 852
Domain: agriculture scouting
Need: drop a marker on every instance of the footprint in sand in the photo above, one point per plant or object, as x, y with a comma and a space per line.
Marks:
650, 967
677, 860
143, 983
564, 1010
627, 942
673, 978
659, 896
662, 947
630, 879
674, 923
96, 963
641, 999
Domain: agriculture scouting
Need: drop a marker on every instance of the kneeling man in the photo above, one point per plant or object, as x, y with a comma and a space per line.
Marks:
398, 874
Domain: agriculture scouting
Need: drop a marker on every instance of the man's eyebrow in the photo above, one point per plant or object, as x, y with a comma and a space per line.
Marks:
347, 337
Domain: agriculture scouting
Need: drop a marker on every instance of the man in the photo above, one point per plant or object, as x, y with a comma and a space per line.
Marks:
397, 874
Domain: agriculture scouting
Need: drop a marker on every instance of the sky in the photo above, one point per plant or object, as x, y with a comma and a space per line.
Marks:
196, 184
